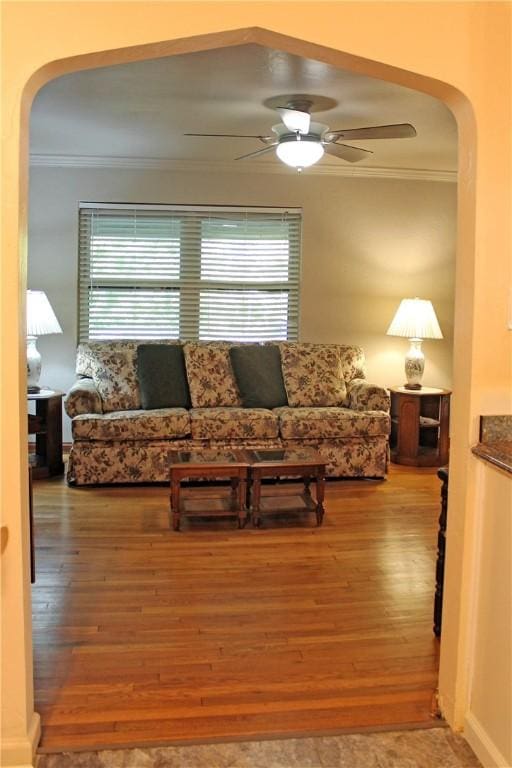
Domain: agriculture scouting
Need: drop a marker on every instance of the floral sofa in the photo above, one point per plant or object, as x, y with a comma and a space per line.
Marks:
331, 407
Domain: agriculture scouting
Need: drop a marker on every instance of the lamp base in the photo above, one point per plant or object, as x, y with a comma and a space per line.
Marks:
414, 365
33, 390
33, 365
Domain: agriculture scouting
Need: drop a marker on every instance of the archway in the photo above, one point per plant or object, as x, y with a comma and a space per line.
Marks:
455, 640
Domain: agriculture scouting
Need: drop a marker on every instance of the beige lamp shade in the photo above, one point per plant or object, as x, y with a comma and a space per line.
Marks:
41, 318
415, 319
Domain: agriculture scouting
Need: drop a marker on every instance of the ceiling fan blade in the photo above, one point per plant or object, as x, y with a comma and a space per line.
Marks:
344, 152
294, 119
258, 151
233, 136
397, 131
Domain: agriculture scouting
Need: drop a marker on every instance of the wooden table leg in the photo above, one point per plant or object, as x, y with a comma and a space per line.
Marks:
175, 502
256, 498
248, 494
234, 495
320, 493
242, 495
237, 498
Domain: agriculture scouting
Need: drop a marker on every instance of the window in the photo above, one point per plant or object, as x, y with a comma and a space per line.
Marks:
152, 272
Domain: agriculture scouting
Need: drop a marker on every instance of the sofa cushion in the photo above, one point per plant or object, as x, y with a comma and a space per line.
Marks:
162, 376
113, 369
232, 423
352, 362
257, 370
312, 374
210, 375
324, 423
163, 423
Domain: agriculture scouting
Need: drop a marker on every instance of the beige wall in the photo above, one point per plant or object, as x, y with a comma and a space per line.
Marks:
367, 243
457, 51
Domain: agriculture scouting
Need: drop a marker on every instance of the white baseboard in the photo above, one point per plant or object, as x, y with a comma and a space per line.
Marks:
482, 744
20, 752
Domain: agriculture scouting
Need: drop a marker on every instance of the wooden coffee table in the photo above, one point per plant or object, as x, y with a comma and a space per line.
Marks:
209, 465
304, 463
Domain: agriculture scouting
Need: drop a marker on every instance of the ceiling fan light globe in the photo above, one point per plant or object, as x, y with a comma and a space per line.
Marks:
300, 154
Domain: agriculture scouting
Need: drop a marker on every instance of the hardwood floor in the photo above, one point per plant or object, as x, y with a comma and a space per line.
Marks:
147, 636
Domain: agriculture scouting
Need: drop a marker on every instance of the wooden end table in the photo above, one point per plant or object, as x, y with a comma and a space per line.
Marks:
46, 425
420, 426
208, 465
306, 464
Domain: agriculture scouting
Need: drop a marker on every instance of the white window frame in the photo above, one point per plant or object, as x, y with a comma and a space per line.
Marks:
191, 287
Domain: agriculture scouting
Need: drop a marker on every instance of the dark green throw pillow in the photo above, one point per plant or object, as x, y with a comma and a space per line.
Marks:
162, 376
257, 370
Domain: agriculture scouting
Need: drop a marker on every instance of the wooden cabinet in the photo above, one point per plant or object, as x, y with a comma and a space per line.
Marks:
441, 552
46, 425
420, 426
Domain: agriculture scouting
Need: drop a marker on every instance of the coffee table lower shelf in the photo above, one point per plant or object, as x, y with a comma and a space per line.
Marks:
298, 502
218, 506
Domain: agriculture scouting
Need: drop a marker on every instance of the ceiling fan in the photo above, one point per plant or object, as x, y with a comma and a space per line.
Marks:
301, 142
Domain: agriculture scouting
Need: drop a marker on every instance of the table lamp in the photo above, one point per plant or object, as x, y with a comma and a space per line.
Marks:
40, 320
416, 320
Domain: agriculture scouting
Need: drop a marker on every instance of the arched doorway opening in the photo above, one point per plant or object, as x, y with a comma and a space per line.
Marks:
263, 37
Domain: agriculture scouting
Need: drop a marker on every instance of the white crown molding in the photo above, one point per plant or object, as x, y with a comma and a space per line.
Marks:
202, 166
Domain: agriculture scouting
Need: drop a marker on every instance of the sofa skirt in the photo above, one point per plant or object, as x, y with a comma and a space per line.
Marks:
125, 461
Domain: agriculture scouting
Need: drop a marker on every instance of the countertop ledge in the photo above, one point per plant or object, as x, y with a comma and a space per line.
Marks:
498, 452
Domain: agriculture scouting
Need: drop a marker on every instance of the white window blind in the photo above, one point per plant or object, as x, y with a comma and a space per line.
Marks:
191, 273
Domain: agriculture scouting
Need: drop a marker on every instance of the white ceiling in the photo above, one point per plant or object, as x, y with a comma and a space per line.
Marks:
141, 110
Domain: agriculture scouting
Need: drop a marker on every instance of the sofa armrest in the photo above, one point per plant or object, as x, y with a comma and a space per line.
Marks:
83, 397
363, 396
